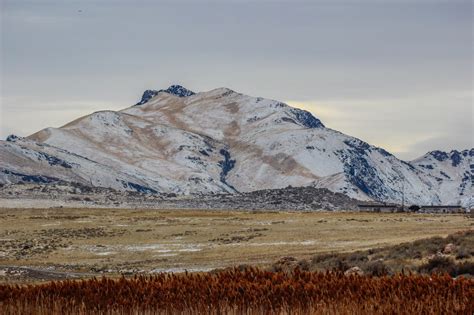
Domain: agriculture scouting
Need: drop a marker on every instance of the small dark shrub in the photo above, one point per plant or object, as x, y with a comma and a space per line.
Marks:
432, 245
357, 257
303, 265
417, 255
377, 269
439, 264
339, 262
465, 268
341, 265
463, 253
323, 257
276, 268
402, 251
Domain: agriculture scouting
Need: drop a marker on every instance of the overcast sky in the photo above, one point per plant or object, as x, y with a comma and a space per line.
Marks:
397, 74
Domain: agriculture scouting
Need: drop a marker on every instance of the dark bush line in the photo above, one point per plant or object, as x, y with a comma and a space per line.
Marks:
391, 259
440, 264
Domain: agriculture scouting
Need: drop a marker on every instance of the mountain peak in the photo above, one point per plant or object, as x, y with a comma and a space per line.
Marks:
178, 90
12, 138
455, 156
174, 89
439, 155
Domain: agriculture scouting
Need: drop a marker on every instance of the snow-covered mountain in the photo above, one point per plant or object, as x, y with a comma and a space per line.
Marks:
175, 140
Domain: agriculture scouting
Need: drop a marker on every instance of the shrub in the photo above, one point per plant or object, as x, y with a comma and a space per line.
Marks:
465, 268
377, 268
463, 253
341, 265
323, 257
303, 265
357, 257
338, 262
439, 264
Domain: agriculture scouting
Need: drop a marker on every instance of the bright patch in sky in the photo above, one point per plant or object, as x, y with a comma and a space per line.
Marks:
397, 74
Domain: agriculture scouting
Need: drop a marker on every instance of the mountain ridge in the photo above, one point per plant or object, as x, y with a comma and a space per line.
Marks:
175, 89
175, 140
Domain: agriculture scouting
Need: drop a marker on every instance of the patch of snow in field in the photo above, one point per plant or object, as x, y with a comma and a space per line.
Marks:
105, 253
269, 222
165, 255
163, 251
181, 269
51, 224
164, 247
279, 243
190, 250
263, 223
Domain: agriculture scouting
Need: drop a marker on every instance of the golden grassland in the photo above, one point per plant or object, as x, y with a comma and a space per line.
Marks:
111, 240
144, 243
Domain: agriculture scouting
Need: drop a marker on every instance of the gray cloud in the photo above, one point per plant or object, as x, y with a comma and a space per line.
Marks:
407, 127
410, 60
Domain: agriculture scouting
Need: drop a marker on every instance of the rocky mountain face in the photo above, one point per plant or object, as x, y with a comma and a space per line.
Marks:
57, 194
221, 141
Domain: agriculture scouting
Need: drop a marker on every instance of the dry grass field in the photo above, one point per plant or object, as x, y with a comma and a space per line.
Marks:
249, 291
45, 244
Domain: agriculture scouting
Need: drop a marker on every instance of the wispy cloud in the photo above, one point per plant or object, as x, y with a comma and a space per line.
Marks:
395, 74
406, 127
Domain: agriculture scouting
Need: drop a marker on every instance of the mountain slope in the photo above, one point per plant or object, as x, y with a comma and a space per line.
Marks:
449, 173
175, 140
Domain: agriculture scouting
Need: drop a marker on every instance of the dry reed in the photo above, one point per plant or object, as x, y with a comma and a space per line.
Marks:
250, 291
